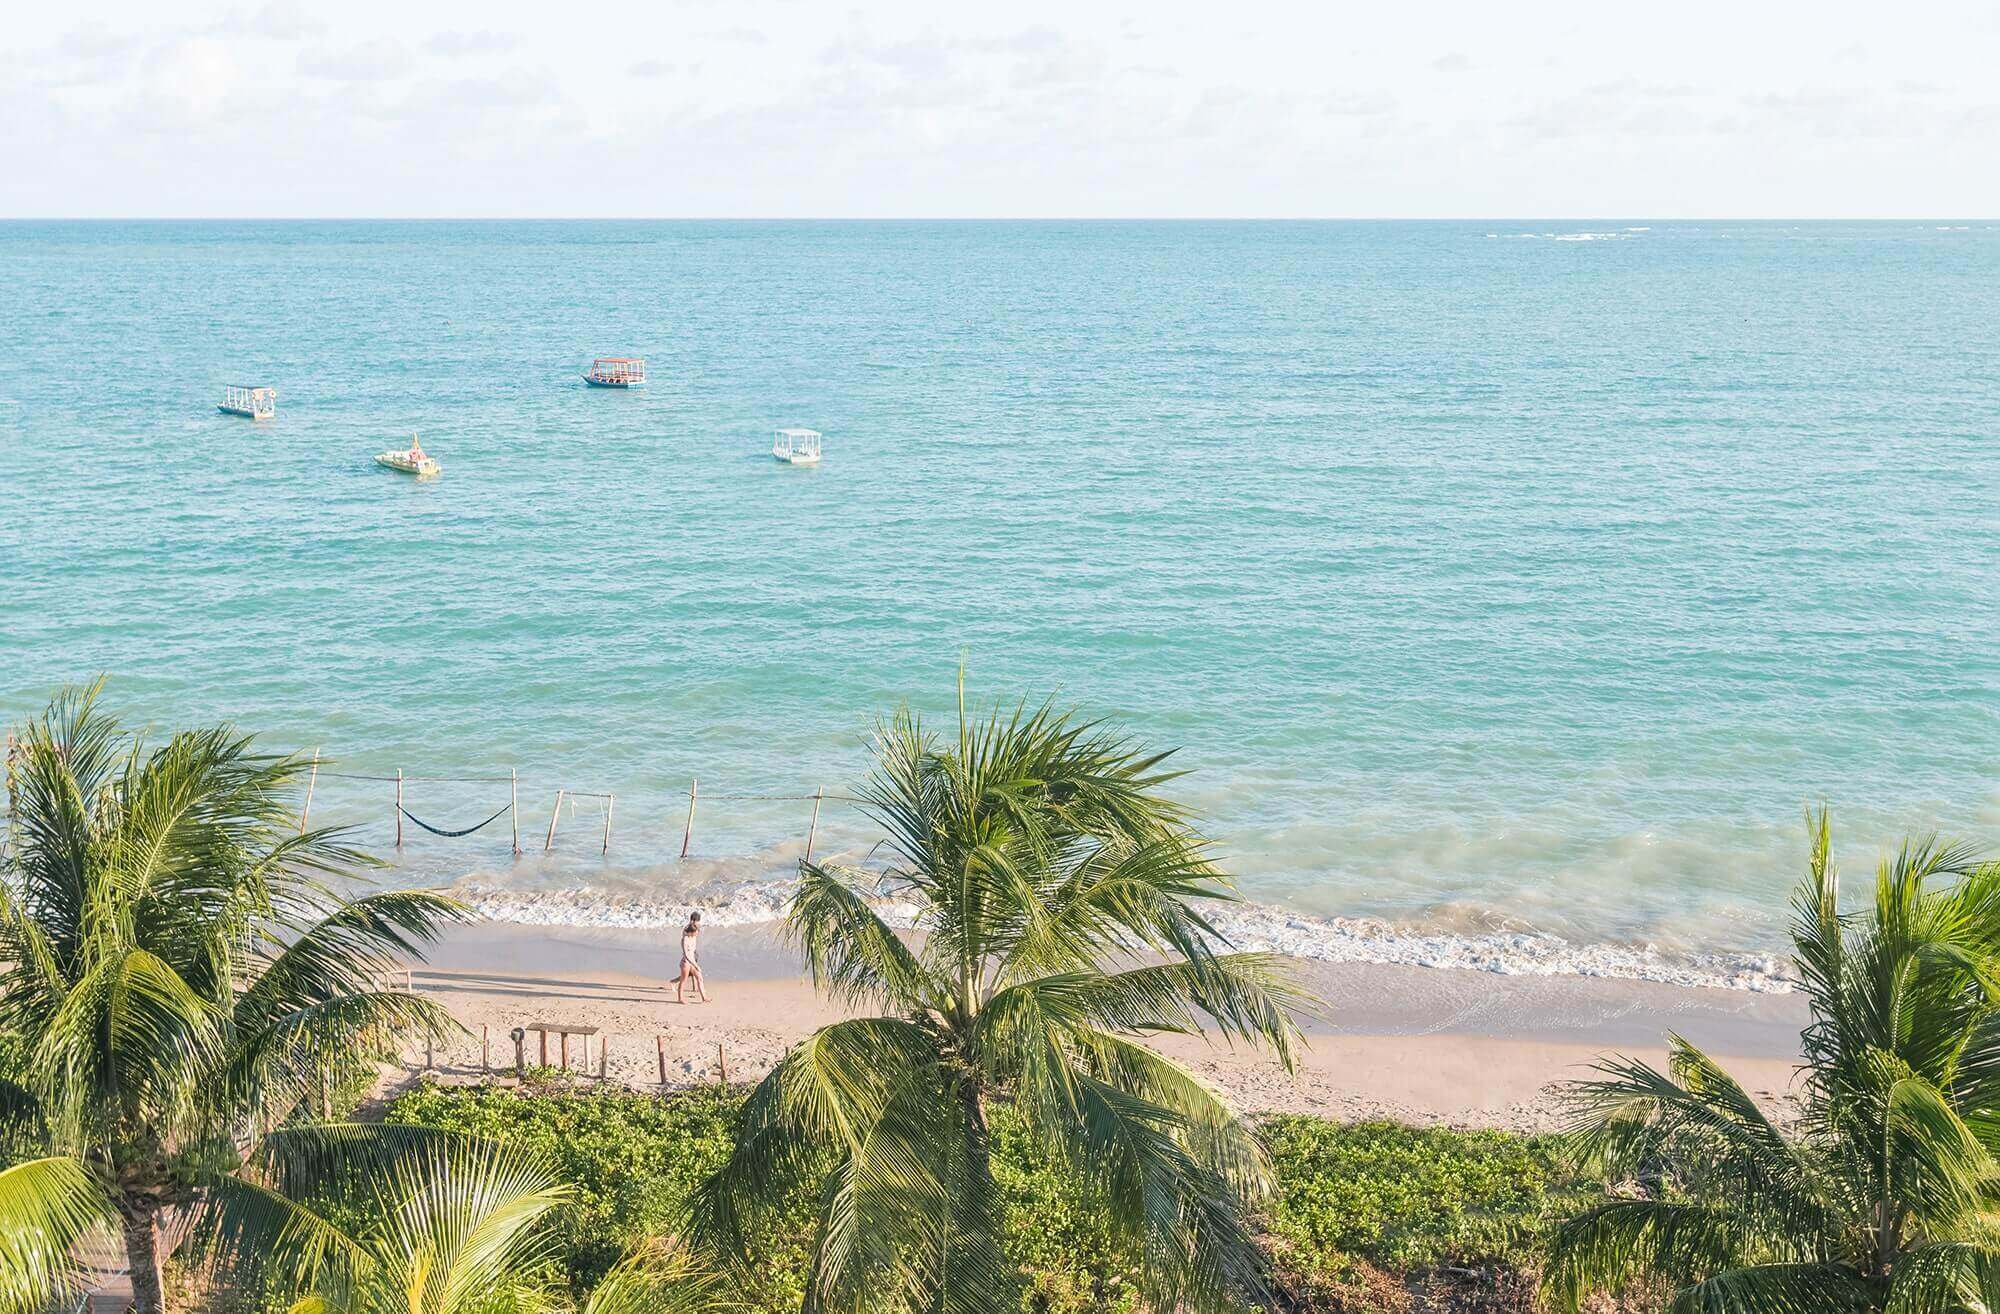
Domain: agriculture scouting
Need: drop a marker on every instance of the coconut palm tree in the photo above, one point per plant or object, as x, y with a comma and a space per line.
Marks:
1055, 906
179, 977
459, 1225
1884, 1193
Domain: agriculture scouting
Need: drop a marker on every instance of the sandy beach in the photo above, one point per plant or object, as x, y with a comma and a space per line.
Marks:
1423, 1045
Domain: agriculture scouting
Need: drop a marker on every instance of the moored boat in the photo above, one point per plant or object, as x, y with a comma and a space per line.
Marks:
250, 401
617, 372
412, 460
797, 446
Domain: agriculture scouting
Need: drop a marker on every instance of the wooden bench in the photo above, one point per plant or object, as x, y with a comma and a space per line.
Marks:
564, 1030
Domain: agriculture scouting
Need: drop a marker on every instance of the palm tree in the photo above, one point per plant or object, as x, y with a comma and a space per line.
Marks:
180, 977
459, 1225
1053, 888
1884, 1193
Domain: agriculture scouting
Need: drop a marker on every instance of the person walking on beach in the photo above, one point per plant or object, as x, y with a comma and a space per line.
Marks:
690, 963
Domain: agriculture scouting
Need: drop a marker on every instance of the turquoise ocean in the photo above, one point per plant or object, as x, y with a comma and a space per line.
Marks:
1513, 587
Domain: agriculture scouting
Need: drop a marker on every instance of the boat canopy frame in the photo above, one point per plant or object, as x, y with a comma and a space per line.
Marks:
252, 399
792, 444
618, 371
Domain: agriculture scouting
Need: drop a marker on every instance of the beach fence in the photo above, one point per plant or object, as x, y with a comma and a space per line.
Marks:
401, 782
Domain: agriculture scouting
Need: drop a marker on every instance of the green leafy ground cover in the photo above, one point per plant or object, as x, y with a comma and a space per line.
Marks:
1368, 1216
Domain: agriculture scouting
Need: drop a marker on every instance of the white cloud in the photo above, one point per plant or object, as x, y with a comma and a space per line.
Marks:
371, 61
1045, 107
284, 20
482, 42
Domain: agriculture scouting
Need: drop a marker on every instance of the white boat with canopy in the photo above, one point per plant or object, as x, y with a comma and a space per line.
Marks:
411, 460
249, 400
797, 446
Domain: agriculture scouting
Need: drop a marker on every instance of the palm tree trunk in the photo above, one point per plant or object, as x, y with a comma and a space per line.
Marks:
142, 1256
979, 1133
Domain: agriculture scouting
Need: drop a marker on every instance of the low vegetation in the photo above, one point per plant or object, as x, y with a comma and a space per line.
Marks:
1367, 1218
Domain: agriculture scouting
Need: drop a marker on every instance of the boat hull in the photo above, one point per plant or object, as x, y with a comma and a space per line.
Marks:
611, 383
245, 412
423, 468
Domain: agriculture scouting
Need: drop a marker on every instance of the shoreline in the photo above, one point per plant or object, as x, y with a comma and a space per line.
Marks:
1421, 1045
1247, 924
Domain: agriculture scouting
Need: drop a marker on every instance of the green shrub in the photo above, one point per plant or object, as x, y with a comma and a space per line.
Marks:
1368, 1212
1367, 1217
631, 1159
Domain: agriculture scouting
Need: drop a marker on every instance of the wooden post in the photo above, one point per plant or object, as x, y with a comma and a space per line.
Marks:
485, 1055
399, 807
722, 1064
549, 843
694, 792
311, 781
430, 1059
660, 1044
610, 802
813, 829
520, 1053
545, 1047
514, 805
565, 1050
603, 1054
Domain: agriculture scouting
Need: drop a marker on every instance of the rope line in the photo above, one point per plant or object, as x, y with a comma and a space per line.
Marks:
434, 780
454, 834
777, 798
584, 793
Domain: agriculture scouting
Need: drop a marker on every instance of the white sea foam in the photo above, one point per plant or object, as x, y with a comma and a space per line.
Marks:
1624, 235
1248, 926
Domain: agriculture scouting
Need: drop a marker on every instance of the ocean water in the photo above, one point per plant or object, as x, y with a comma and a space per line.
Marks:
1515, 584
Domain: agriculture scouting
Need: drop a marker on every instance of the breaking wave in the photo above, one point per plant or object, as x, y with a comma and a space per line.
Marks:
1249, 926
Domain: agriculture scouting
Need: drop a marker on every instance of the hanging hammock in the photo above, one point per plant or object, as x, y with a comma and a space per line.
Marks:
454, 834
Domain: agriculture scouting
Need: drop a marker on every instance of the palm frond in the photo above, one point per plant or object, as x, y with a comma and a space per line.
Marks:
69, 759
129, 1038
1777, 1289
1699, 1121
1249, 997
819, 1104
464, 1221
342, 1159
1618, 1243
850, 951
1946, 1277
46, 1206
1938, 1168
1211, 1131
664, 1276
1180, 1216
248, 1234
909, 1210
345, 951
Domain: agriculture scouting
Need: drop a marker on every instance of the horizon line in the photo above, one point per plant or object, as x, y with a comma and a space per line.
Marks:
978, 219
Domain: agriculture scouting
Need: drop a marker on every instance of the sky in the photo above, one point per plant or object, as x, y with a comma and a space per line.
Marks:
789, 108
